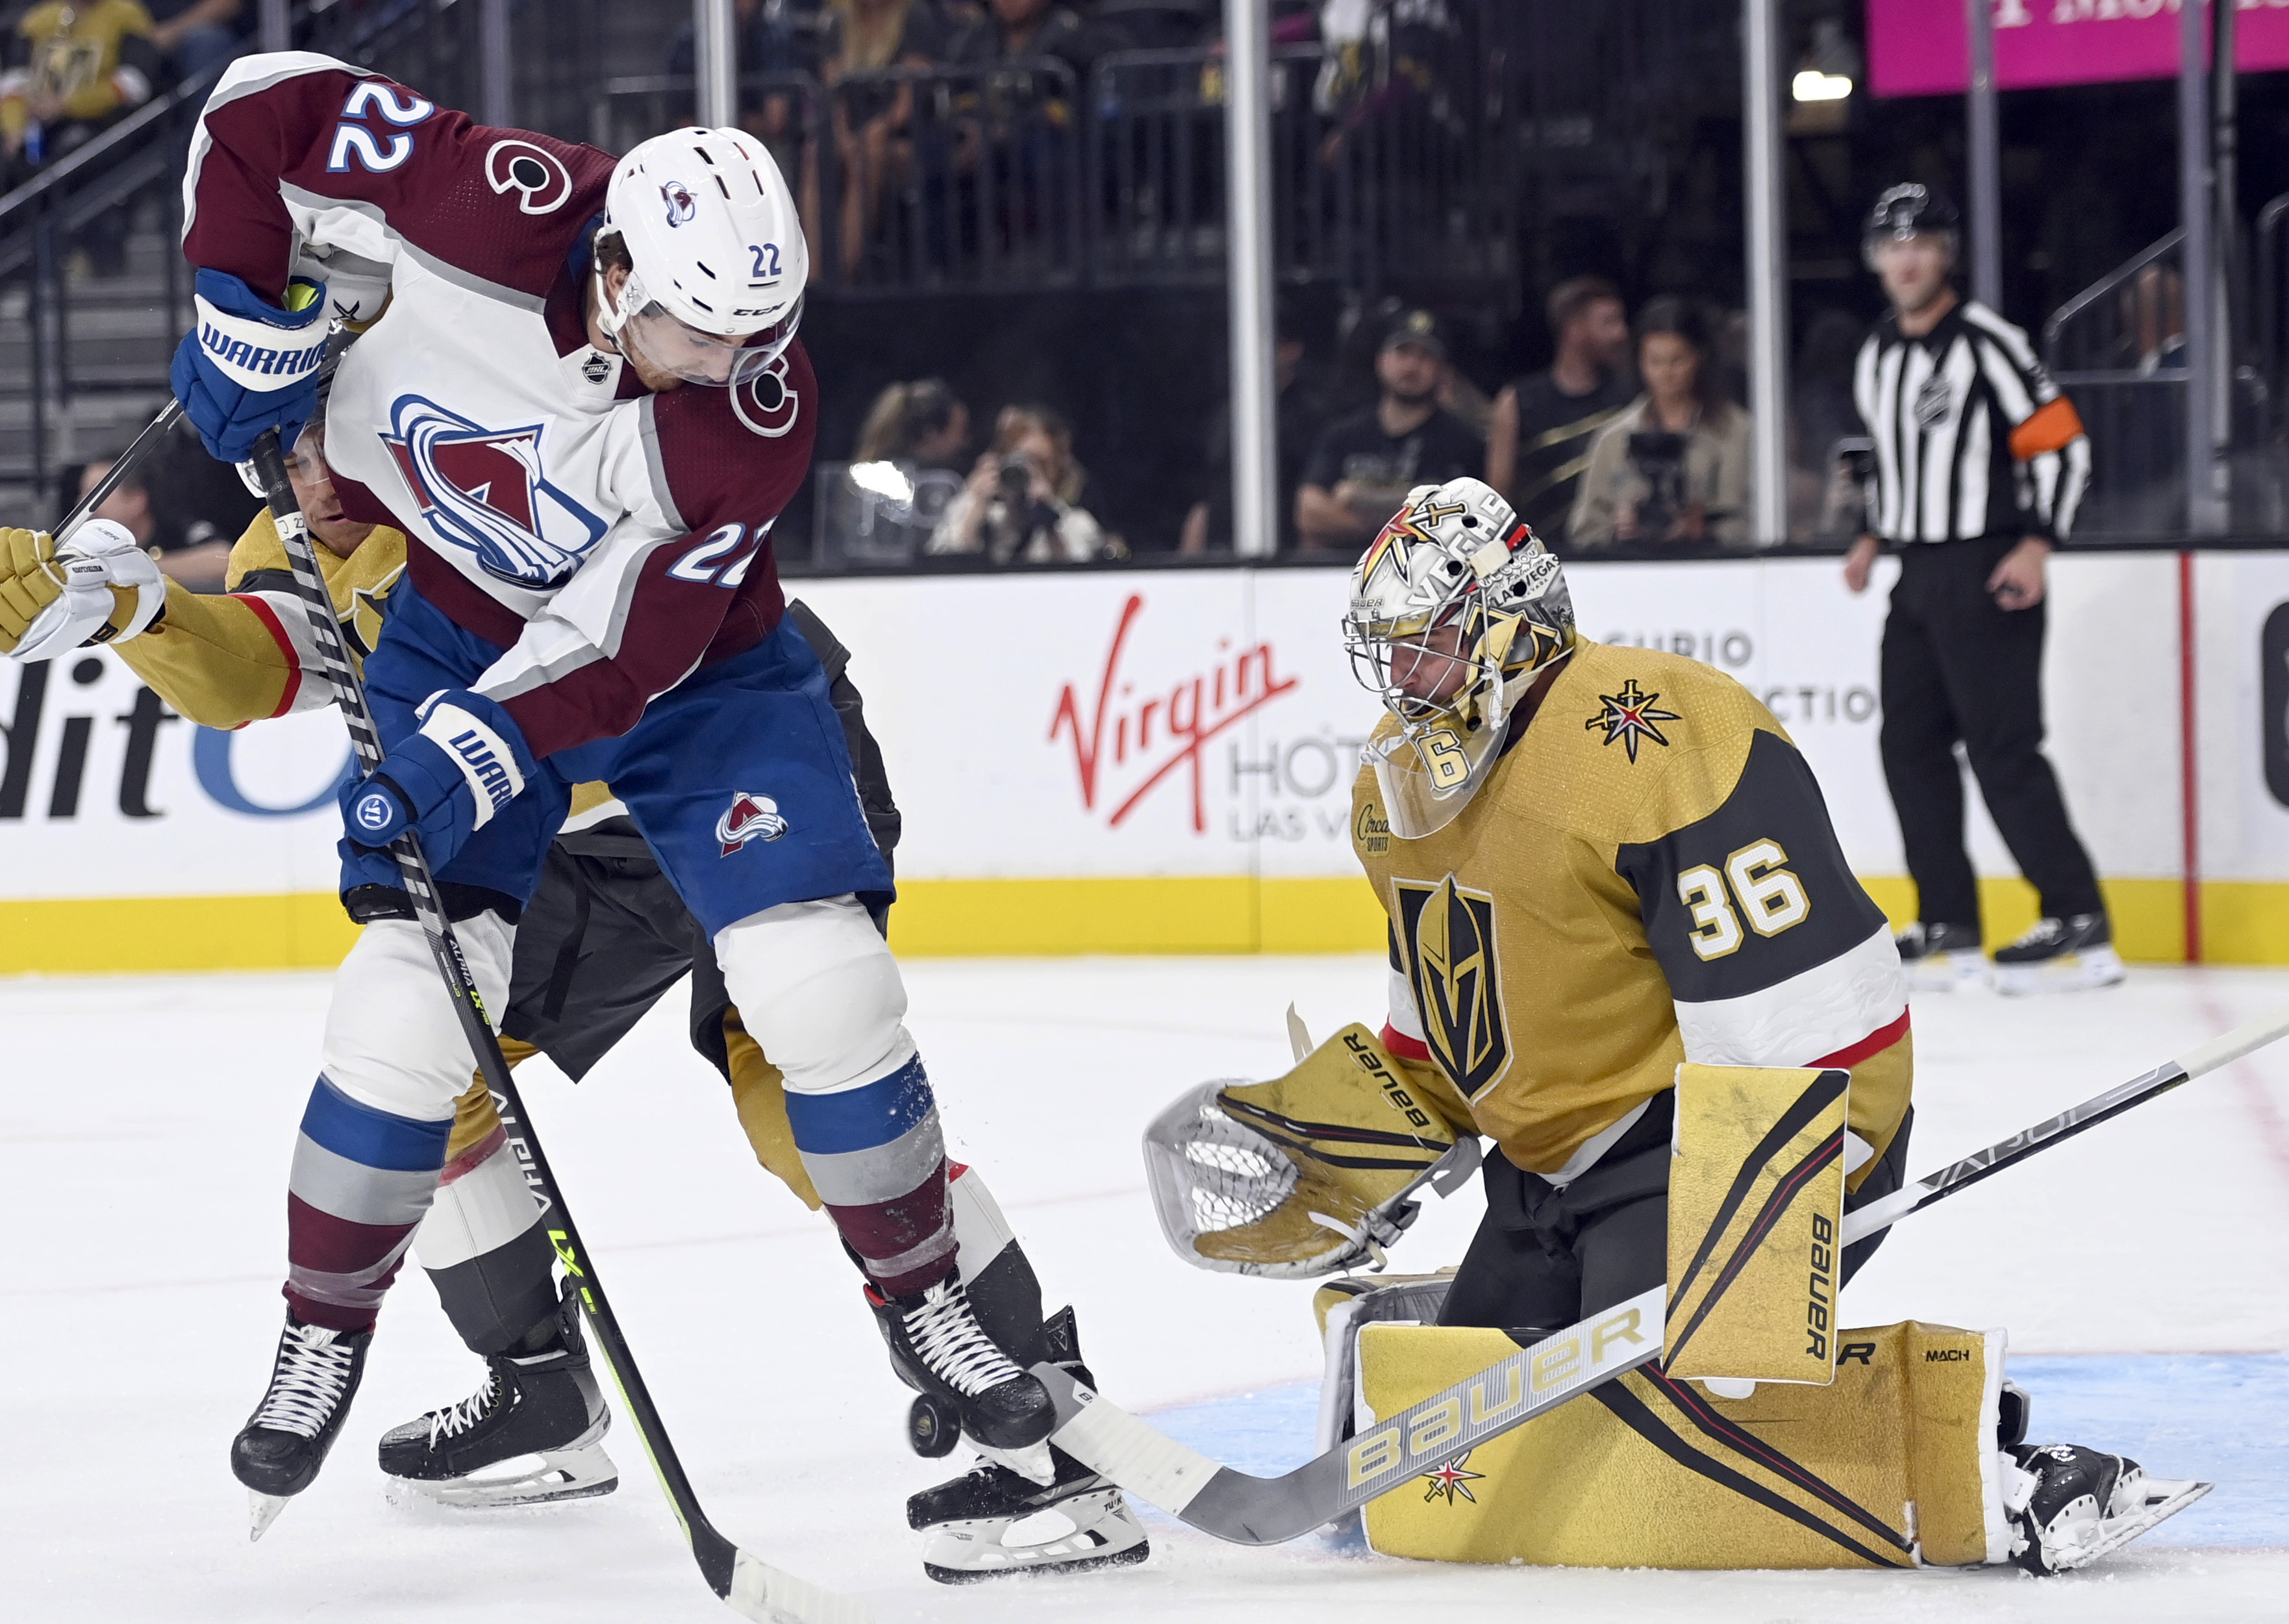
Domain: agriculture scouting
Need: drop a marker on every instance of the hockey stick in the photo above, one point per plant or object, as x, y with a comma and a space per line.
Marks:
752, 1587
1250, 1510
122, 466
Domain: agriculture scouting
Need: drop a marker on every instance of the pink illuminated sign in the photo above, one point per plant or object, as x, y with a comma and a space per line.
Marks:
1918, 47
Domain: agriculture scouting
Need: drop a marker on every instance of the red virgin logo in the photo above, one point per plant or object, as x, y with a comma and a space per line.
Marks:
1161, 730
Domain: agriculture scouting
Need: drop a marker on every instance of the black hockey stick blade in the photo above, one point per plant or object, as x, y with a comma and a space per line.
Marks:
749, 1585
1251, 1510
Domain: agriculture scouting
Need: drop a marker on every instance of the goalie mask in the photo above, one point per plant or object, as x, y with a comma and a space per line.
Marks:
1456, 608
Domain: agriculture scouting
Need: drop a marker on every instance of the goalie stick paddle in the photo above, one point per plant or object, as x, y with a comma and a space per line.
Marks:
1250, 1510
751, 1586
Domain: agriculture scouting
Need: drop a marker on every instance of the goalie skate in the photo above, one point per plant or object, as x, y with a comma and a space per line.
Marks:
2069, 1505
991, 1522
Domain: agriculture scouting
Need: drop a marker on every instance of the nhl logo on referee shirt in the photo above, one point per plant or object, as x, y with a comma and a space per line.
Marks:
750, 817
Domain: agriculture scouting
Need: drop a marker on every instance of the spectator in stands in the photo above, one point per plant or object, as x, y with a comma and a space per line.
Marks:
69, 70
1539, 441
1673, 468
197, 564
780, 38
1017, 30
197, 34
870, 119
902, 476
1300, 416
1159, 25
1022, 504
1364, 466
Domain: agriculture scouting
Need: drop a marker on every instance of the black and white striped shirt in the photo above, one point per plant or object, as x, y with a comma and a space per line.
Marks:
1972, 436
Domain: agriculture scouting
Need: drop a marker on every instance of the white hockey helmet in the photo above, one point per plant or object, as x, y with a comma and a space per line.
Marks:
1455, 608
719, 261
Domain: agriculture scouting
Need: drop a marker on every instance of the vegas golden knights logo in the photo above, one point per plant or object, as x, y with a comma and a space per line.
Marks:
1450, 936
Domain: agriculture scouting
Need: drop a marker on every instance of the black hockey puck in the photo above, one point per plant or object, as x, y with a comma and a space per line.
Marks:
932, 1427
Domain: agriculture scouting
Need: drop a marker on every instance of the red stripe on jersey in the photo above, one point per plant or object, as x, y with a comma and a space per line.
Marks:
269, 616
1875, 1043
469, 1160
1399, 1046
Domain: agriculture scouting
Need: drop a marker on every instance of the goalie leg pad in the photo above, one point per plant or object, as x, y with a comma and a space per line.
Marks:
1887, 1468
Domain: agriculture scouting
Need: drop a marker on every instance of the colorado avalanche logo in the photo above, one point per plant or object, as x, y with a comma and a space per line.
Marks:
751, 817
680, 208
766, 403
486, 489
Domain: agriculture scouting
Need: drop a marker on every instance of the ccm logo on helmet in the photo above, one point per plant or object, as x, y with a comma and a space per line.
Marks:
680, 208
751, 817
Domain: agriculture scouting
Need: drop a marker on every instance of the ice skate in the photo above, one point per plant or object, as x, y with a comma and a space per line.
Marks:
529, 1435
938, 1347
278, 1453
1076, 1522
2060, 956
1943, 958
2069, 1506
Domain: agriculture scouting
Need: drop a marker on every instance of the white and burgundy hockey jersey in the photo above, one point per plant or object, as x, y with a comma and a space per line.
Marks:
610, 539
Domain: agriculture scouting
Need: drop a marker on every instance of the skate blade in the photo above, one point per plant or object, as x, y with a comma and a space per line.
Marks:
2166, 1498
524, 1480
264, 1509
965, 1552
1949, 973
2099, 967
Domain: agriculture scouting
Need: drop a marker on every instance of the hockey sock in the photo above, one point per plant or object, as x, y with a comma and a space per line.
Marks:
361, 1180
877, 1157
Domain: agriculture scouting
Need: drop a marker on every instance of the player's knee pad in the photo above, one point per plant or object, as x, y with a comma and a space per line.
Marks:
818, 988
393, 1040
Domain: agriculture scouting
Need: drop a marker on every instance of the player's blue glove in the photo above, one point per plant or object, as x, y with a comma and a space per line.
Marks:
247, 366
445, 782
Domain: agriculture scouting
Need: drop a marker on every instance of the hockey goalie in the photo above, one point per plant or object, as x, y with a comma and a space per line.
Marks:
1625, 947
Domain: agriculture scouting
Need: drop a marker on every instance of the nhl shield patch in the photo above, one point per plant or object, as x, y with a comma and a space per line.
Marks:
749, 817
1449, 935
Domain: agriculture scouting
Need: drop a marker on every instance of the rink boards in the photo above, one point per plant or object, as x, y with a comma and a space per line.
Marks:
1161, 761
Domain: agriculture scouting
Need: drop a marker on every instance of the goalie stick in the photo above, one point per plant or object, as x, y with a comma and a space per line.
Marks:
1250, 1510
751, 1586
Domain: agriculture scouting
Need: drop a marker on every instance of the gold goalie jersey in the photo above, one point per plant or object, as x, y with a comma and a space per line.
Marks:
1648, 876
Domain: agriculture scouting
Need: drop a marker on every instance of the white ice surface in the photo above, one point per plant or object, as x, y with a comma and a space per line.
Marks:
145, 1135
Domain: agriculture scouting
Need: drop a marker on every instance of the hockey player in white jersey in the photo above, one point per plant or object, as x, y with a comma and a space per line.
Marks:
585, 405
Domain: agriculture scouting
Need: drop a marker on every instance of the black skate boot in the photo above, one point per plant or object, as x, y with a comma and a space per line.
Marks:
969, 1519
2060, 956
278, 1453
2069, 1505
939, 1349
1941, 957
527, 1435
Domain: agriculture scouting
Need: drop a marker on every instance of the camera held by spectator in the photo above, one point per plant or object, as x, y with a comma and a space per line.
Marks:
1022, 502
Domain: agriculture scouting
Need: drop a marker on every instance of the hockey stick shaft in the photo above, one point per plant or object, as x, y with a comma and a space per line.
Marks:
748, 1585
1251, 1510
122, 466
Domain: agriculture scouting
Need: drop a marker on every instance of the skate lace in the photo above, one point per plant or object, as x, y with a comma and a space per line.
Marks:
454, 1419
313, 1372
947, 1338
2042, 934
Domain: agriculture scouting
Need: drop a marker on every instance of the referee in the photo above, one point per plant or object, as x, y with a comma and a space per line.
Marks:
1979, 463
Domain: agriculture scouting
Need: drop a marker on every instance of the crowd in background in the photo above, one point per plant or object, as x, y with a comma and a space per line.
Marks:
1632, 437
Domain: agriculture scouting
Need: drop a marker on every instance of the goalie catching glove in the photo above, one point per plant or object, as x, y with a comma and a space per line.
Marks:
1304, 1176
